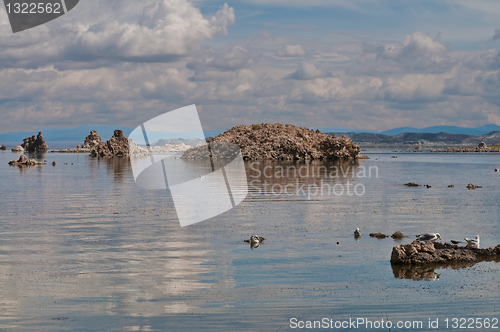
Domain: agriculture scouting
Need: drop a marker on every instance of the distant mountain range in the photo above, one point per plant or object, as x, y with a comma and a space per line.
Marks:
424, 138
483, 130
74, 136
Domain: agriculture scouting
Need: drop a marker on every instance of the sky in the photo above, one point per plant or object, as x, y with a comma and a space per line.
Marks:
363, 64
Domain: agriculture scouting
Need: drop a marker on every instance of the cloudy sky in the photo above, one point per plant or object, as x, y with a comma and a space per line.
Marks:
367, 64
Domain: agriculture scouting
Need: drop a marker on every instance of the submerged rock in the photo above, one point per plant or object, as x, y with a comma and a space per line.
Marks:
379, 235
35, 143
24, 161
438, 253
471, 186
282, 142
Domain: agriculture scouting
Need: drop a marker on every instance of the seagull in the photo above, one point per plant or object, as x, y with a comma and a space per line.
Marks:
428, 237
357, 233
473, 243
254, 239
202, 176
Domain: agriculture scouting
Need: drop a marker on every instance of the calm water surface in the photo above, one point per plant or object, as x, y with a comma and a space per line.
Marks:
83, 248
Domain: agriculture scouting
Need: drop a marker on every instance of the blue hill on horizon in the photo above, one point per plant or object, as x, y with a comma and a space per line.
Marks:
77, 135
482, 130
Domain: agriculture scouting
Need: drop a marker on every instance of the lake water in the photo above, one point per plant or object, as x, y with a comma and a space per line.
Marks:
82, 248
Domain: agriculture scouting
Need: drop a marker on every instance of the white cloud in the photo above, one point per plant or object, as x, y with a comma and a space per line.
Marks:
167, 27
292, 51
166, 30
309, 71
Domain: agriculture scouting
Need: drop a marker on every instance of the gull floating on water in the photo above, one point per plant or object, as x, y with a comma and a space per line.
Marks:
428, 237
474, 243
357, 233
255, 241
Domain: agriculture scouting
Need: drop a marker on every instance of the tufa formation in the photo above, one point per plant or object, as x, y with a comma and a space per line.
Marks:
282, 142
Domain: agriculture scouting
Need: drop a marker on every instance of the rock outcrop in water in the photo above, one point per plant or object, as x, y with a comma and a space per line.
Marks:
35, 143
17, 148
114, 147
24, 161
417, 253
92, 141
3, 147
282, 142
481, 147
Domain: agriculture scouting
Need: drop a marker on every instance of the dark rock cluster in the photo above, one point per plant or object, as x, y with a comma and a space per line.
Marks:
115, 146
282, 142
35, 143
3, 147
434, 252
24, 161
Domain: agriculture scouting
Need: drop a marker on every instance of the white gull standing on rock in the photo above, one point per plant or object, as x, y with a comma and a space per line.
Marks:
428, 237
473, 243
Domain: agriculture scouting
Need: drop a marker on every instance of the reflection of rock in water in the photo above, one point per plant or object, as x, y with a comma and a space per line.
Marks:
119, 167
414, 272
427, 272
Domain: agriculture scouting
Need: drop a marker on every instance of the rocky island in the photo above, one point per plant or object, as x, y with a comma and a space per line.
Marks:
35, 143
481, 147
91, 142
24, 161
282, 142
418, 253
117, 145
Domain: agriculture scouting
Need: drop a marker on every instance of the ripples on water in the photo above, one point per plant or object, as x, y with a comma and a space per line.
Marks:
83, 248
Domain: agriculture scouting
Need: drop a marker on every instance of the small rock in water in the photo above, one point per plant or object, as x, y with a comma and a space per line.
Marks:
427, 186
412, 184
53, 163
379, 235
397, 235
451, 186
472, 186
